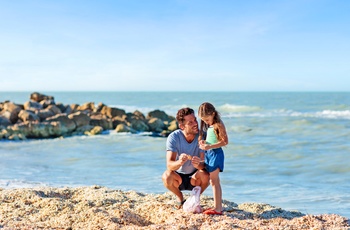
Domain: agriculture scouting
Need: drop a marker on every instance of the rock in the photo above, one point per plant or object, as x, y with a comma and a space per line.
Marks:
156, 125
44, 114
80, 118
122, 128
67, 125
112, 112
38, 97
37, 130
158, 114
32, 105
4, 133
139, 125
12, 111
28, 115
96, 130
89, 106
118, 120
137, 114
62, 107
4, 121
82, 129
46, 102
55, 109
173, 126
102, 120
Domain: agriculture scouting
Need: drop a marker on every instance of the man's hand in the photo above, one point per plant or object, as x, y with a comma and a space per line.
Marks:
183, 158
196, 162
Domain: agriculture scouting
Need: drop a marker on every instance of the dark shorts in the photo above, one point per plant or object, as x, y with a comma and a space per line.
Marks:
186, 181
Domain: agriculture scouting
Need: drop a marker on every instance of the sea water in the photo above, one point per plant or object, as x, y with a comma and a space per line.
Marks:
290, 150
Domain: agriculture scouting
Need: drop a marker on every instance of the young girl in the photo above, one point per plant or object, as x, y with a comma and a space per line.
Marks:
213, 130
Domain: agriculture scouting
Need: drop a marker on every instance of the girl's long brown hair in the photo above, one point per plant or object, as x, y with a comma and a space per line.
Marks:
207, 109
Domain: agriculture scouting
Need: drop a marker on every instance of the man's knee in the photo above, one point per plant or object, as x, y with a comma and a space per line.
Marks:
201, 178
167, 178
204, 175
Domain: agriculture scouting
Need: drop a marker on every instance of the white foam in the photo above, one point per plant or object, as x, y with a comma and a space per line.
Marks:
11, 184
229, 108
345, 114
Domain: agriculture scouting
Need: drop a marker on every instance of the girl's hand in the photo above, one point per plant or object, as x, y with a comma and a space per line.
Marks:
202, 142
203, 145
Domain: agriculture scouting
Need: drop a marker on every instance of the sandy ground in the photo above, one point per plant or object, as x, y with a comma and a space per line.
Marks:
98, 207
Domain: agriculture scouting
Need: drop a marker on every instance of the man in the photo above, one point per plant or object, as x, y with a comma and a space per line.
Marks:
184, 159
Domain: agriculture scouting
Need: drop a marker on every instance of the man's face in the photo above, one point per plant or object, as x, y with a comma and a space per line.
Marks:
190, 125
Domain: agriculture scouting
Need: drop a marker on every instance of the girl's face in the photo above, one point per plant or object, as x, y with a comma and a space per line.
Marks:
208, 119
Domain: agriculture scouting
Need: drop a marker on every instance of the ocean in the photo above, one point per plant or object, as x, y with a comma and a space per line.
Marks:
287, 149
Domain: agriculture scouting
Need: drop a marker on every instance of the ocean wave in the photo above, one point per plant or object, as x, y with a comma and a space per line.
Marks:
334, 114
232, 110
9, 184
229, 108
325, 114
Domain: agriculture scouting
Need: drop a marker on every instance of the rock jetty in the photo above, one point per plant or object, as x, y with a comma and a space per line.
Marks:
42, 117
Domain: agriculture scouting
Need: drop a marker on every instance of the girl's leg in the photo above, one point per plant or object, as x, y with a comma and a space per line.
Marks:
217, 192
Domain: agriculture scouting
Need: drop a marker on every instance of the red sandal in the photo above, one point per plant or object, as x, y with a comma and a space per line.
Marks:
212, 212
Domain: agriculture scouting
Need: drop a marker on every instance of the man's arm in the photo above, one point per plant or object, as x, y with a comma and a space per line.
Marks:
171, 162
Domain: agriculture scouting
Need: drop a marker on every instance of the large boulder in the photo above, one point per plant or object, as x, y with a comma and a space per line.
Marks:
96, 130
139, 125
11, 111
112, 112
32, 105
28, 115
173, 126
37, 130
4, 121
46, 102
122, 128
80, 118
156, 125
158, 114
55, 109
62, 107
50, 111
89, 106
44, 114
106, 124
38, 97
67, 125
139, 115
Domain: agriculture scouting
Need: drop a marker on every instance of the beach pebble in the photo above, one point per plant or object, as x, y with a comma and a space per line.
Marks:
98, 207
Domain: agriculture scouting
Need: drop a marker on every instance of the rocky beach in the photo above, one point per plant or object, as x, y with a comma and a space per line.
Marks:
97, 207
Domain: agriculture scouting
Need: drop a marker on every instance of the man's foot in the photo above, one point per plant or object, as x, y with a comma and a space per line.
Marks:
180, 204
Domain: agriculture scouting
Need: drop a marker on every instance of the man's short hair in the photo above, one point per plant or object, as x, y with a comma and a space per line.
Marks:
180, 116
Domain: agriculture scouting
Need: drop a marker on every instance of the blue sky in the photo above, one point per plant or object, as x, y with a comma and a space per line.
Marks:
184, 45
